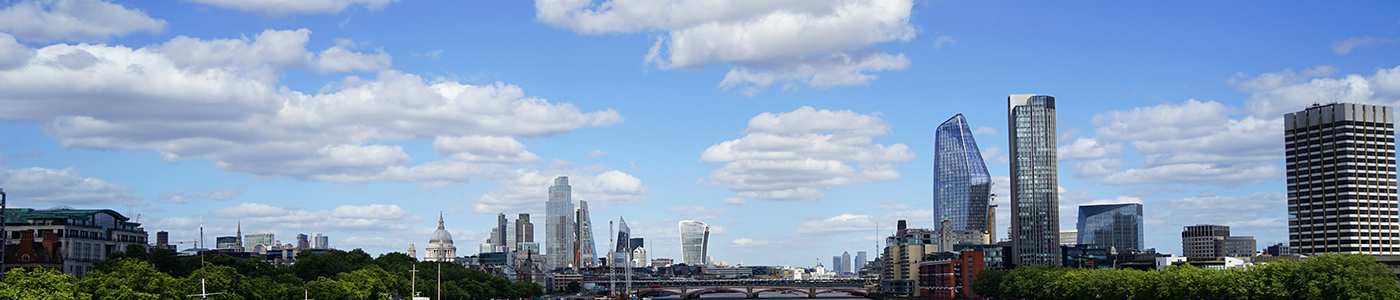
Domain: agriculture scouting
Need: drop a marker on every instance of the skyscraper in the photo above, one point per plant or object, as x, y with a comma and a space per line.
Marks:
695, 242
303, 241
587, 255
320, 241
836, 264
499, 234
1035, 216
860, 261
559, 225
1341, 179
635, 242
962, 187
619, 252
846, 262
1111, 225
524, 230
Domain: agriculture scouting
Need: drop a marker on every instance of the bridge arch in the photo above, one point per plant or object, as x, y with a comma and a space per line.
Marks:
857, 292
654, 290
696, 292
756, 291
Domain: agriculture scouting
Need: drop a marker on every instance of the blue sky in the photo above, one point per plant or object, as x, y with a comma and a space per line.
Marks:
795, 128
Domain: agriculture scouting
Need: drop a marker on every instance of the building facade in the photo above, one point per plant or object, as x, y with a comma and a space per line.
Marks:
524, 230
1340, 160
903, 252
962, 186
1116, 226
440, 247
1035, 216
320, 241
69, 240
695, 242
559, 225
1215, 241
260, 241
952, 277
587, 255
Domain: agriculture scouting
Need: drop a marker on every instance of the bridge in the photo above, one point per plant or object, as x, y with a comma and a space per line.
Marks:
689, 289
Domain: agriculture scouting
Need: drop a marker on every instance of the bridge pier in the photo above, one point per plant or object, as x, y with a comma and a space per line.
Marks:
811, 292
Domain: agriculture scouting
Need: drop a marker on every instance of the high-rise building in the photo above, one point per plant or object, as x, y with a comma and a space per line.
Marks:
836, 264
559, 225
695, 242
1203, 240
499, 234
962, 187
860, 261
846, 263
1341, 179
524, 230
1118, 226
320, 241
440, 247
624, 236
587, 255
635, 242
162, 238
303, 241
1035, 202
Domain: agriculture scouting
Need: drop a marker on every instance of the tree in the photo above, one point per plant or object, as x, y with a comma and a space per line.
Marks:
988, 283
574, 287
39, 284
130, 278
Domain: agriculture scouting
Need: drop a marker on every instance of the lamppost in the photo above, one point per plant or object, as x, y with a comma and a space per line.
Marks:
4, 235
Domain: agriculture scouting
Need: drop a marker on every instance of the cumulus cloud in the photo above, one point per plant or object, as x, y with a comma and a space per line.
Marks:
736, 201
984, 130
44, 188
943, 41
596, 153
522, 189
373, 218
813, 43
74, 20
12, 53
1273, 94
697, 212
341, 59
219, 100
184, 195
1192, 142
1345, 47
791, 155
275, 8
840, 224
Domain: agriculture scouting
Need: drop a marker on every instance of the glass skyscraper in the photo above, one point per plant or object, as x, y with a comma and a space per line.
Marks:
1341, 179
1111, 225
1035, 200
695, 242
559, 225
587, 256
962, 186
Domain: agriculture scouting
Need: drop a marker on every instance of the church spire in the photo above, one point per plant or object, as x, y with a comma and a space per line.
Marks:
440, 220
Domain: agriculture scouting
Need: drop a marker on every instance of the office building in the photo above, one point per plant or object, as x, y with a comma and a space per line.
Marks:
559, 225
260, 241
440, 247
860, 261
639, 257
498, 234
225, 242
303, 241
836, 264
320, 241
65, 239
1340, 160
524, 230
1035, 215
962, 187
903, 252
635, 242
695, 242
587, 255
1069, 237
951, 277
1280, 249
1215, 241
1111, 226
846, 263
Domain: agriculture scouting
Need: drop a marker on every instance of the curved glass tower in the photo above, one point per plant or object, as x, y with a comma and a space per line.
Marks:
695, 241
1111, 225
962, 187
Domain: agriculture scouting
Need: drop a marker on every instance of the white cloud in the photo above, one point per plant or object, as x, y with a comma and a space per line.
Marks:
183, 195
984, 130
596, 153
788, 156
1089, 148
748, 242
943, 41
735, 201
814, 43
522, 189
367, 219
44, 188
892, 205
994, 154
1273, 94
219, 100
844, 223
12, 53
74, 20
274, 8
341, 59
697, 212
1345, 47
1192, 142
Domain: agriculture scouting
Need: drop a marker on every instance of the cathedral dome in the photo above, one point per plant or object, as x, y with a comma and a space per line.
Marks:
440, 235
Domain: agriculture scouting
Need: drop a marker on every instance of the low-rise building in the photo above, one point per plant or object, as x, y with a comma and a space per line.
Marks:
69, 239
903, 252
951, 277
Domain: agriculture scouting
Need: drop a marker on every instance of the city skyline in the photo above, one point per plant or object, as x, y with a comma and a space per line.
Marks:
362, 121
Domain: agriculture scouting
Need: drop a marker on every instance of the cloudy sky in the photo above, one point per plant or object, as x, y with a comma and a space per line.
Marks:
798, 129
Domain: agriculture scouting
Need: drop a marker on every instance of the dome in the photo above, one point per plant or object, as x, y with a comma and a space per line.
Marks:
440, 235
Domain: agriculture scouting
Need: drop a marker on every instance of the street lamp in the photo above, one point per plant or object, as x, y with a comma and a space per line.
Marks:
4, 235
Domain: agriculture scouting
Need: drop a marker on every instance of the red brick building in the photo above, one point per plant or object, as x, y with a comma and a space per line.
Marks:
950, 278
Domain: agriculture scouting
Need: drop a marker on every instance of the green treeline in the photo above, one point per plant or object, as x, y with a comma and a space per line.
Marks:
336, 274
1330, 276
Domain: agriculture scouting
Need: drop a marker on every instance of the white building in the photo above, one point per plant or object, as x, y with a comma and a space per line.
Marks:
67, 239
440, 246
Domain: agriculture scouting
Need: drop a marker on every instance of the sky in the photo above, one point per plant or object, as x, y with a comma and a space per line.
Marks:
797, 129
